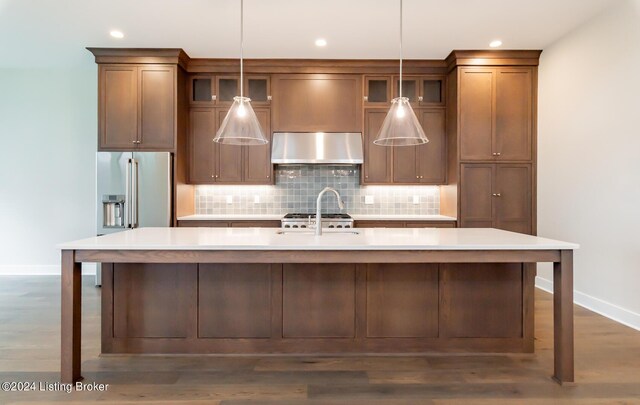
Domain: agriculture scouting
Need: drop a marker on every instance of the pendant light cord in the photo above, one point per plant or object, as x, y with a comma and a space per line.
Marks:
400, 84
242, 47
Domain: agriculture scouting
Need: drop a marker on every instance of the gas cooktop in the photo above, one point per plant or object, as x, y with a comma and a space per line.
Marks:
309, 221
313, 215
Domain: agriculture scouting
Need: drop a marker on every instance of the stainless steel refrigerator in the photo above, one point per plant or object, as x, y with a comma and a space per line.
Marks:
133, 190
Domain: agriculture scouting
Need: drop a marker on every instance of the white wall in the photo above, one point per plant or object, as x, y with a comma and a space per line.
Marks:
589, 158
48, 124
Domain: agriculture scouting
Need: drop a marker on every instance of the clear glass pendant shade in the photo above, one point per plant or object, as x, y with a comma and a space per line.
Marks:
241, 126
401, 126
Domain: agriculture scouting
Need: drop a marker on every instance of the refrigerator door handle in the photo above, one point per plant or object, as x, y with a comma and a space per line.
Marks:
134, 194
127, 195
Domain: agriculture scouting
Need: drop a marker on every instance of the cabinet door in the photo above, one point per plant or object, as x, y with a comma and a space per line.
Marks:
467, 311
258, 89
512, 186
405, 164
432, 157
118, 107
228, 157
513, 124
317, 102
377, 159
377, 91
410, 88
258, 167
228, 87
432, 91
157, 89
476, 113
154, 300
202, 129
476, 205
202, 90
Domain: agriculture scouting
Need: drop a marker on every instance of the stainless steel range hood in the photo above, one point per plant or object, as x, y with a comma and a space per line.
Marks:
342, 148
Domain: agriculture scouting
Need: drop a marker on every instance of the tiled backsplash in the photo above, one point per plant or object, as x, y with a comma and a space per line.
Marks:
297, 188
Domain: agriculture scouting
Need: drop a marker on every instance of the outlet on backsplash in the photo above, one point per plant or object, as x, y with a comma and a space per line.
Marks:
297, 188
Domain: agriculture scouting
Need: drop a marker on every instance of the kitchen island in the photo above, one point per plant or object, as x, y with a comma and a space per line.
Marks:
257, 290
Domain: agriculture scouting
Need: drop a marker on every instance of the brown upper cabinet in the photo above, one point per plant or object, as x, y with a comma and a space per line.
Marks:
214, 163
495, 113
210, 90
137, 107
423, 164
317, 103
497, 195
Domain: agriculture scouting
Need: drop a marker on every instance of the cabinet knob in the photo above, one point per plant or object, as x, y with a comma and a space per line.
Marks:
417, 177
366, 98
420, 98
496, 194
422, 177
214, 97
268, 176
366, 177
496, 153
269, 98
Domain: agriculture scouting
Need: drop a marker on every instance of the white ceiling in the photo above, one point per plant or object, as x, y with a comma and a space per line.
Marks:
55, 32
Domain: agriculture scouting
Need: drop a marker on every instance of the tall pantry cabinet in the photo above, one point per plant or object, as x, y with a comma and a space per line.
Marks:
492, 121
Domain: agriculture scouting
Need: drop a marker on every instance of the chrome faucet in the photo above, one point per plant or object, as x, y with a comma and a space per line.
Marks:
318, 210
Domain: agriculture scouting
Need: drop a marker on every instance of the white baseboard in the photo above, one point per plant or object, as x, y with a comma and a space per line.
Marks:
41, 270
604, 308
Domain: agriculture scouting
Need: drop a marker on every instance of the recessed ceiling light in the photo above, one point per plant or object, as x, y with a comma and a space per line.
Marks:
116, 34
321, 42
495, 44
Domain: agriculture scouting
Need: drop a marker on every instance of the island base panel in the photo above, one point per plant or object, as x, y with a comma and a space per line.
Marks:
317, 308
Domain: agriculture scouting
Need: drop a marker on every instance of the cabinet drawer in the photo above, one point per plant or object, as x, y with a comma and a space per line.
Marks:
431, 224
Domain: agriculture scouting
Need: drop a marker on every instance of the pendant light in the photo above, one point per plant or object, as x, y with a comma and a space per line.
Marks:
241, 126
401, 126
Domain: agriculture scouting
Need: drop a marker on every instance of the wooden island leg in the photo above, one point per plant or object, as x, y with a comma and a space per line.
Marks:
563, 318
70, 322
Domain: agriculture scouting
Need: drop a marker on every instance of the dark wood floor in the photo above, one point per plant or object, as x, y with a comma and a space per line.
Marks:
607, 365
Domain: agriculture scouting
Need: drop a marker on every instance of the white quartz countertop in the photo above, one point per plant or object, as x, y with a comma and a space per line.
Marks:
270, 239
277, 217
359, 217
232, 217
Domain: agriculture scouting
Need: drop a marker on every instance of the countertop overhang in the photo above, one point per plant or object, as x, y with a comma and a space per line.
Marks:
268, 239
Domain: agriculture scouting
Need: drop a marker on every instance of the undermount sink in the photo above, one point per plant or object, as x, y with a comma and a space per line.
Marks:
312, 232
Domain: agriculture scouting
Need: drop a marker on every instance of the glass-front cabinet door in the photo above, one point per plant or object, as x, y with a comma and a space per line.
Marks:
410, 88
432, 91
228, 88
258, 89
377, 90
202, 90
